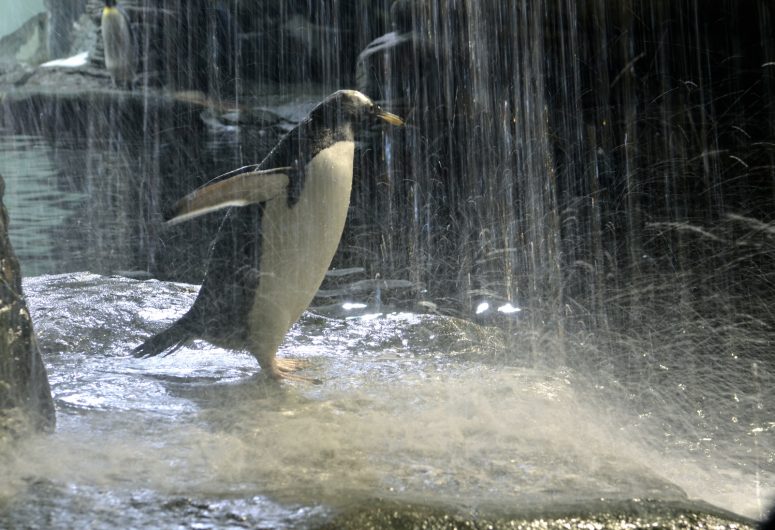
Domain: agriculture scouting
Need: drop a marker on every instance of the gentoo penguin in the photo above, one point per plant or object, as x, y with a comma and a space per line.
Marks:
119, 44
283, 224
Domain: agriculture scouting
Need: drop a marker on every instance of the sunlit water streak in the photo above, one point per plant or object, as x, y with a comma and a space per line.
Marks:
412, 406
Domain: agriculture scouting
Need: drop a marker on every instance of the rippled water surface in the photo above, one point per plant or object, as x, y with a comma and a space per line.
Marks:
419, 407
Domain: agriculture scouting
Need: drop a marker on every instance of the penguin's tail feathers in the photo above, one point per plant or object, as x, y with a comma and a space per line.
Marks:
169, 341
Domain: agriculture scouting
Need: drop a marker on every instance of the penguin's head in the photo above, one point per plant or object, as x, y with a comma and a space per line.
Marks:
353, 107
110, 3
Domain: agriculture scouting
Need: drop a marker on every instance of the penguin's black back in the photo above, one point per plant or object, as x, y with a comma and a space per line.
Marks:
222, 308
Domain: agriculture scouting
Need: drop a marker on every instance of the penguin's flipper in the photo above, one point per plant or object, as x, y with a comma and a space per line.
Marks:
170, 339
238, 188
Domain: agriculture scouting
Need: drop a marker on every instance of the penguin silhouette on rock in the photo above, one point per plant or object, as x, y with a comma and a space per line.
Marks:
284, 221
119, 44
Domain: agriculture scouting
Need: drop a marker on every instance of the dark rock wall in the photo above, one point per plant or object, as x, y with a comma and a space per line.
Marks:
216, 46
61, 16
555, 152
25, 396
558, 148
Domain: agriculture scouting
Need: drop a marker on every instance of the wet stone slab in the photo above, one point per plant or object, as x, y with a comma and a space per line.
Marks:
459, 425
632, 515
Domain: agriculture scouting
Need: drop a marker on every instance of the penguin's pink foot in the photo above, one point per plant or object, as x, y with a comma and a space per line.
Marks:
291, 365
283, 370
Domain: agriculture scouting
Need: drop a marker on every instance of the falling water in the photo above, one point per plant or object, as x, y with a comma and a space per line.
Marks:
573, 237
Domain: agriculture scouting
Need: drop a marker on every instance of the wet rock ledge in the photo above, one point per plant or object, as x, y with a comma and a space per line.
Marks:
630, 515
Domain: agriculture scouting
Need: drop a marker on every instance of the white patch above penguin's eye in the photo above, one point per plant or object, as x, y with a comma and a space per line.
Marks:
359, 96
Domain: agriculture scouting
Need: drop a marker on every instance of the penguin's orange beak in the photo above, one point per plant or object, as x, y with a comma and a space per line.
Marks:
389, 117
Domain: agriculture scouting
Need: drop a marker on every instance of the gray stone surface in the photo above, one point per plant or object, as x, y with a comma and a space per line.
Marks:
26, 45
630, 515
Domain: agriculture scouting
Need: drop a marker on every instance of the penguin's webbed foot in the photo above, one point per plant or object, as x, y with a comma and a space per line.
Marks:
291, 365
283, 370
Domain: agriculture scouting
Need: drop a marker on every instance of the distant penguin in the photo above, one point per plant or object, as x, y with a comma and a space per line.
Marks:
278, 237
119, 44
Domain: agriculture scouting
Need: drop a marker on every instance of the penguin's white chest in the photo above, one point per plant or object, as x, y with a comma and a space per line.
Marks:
298, 244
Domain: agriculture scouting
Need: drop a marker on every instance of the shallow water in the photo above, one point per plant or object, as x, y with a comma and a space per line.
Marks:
420, 407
